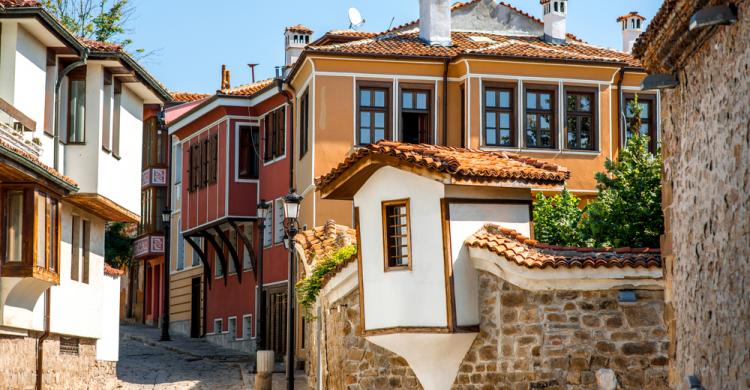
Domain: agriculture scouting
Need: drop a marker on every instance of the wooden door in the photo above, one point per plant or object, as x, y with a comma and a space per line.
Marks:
195, 308
276, 314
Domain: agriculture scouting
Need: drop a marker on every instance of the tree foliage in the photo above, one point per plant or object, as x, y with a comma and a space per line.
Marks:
627, 210
118, 244
556, 219
101, 20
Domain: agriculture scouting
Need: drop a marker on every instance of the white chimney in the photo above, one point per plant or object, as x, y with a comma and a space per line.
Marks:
435, 22
295, 39
632, 28
555, 15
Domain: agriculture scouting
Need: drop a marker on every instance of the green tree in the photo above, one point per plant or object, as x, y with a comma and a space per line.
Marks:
627, 210
118, 244
556, 219
101, 20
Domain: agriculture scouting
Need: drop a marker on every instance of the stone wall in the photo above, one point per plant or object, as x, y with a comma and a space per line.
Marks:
539, 340
61, 371
348, 360
706, 148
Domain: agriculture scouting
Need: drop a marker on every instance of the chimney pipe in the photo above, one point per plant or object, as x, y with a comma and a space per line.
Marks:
435, 22
632, 28
555, 24
225, 78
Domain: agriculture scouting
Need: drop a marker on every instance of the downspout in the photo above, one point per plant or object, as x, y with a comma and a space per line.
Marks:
445, 102
42, 338
58, 85
620, 112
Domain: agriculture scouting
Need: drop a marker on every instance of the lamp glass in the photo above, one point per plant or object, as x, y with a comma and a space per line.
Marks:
291, 206
165, 215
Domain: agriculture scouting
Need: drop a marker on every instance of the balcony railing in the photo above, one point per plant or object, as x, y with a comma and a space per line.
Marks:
13, 126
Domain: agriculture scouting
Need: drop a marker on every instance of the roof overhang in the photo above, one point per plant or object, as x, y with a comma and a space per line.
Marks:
26, 169
103, 207
219, 100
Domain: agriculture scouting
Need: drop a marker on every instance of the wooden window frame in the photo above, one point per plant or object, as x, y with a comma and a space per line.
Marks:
116, 112
536, 88
78, 74
500, 87
28, 265
275, 135
213, 162
386, 255
375, 85
594, 113
251, 132
652, 122
304, 123
430, 111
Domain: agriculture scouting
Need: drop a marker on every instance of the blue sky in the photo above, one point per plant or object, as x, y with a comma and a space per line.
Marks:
193, 38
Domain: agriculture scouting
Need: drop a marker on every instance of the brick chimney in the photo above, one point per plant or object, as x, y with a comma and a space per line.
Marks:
225, 78
632, 28
435, 22
555, 24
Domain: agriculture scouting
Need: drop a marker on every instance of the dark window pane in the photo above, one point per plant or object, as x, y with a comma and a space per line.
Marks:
572, 139
546, 138
571, 102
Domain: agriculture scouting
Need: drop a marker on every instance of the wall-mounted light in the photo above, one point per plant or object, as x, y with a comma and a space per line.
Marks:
626, 296
659, 81
712, 16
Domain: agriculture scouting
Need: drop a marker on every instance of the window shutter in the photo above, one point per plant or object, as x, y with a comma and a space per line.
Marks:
214, 157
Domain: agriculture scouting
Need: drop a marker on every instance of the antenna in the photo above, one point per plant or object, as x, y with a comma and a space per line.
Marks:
355, 18
252, 70
391, 24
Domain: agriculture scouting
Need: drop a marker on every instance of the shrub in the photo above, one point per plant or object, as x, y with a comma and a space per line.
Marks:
556, 219
309, 287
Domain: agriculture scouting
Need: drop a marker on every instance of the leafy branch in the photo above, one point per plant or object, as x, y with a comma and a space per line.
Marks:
309, 287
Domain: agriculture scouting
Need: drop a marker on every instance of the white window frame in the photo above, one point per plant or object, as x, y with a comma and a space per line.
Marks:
247, 318
220, 322
229, 326
278, 223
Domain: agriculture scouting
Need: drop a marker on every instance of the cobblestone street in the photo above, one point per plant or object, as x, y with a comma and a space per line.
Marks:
146, 364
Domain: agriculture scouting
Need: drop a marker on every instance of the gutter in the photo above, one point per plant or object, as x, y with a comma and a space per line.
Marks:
56, 122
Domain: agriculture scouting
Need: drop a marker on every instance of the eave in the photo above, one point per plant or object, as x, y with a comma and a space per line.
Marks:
103, 207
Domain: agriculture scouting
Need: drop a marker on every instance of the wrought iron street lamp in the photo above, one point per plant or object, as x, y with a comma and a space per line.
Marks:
291, 226
166, 217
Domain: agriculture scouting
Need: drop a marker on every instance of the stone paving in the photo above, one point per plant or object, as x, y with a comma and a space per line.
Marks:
149, 364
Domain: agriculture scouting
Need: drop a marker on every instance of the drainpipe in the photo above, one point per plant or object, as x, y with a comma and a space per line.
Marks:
445, 102
620, 110
58, 85
42, 338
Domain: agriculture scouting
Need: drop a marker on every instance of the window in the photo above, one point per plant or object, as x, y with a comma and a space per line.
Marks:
648, 119
77, 106
415, 116
218, 267
203, 162
180, 244
177, 153
499, 117
153, 202
540, 118
247, 231
53, 233
154, 144
275, 137
196, 260
107, 112
232, 326
373, 113
304, 123
116, 106
248, 144
247, 326
580, 120
278, 226
14, 226
268, 230
218, 325
75, 244
85, 249
396, 235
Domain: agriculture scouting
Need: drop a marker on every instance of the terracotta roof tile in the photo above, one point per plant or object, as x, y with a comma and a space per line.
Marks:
19, 3
318, 241
186, 97
247, 89
523, 251
35, 160
101, 46
464, 164
111, 271
299, 29
630, 15
408, 43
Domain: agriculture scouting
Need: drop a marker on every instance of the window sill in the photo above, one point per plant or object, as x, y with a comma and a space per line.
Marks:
275, 160
542, 150
398, 268
116, 157
76, 143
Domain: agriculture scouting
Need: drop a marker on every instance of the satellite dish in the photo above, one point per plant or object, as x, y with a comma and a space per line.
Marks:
355, 18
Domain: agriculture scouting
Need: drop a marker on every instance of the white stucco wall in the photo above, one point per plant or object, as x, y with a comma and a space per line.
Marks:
31, 76
81, 162
413, 297
124, 187
465, 220
8, 44
76, 306
107, 347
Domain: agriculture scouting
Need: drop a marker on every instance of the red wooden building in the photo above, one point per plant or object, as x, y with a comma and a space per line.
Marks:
230, 152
